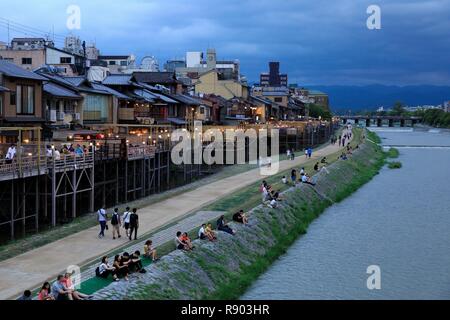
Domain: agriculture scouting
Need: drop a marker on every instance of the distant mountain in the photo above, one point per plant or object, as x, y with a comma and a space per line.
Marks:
356, 98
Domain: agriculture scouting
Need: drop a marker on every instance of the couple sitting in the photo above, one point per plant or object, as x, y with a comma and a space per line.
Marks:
183, 242
240, 217
122, 266
206, 232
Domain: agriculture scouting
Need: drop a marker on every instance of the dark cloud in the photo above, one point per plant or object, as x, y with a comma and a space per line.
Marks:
320, 41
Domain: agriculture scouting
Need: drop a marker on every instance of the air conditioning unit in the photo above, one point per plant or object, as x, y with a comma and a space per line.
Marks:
77, 116
61, 116
52, 115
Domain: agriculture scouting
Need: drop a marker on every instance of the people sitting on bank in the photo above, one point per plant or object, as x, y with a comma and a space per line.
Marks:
284, 180
179, 242
74, 294
203, 233
273, 204
343, 156
185, 239
316, 167
45, 292
210, 232
306, 179
135, 262
59, 290
324, 160
26, 296
104, 270
240, 217
149, 251
302, 171
223, 226
121, 267
294, 176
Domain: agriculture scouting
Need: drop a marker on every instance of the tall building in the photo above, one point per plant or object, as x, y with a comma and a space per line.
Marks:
273, 78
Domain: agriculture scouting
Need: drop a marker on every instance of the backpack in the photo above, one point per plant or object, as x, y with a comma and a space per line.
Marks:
114, 219
97, 271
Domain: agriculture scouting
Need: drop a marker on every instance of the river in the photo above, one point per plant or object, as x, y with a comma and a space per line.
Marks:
400, 221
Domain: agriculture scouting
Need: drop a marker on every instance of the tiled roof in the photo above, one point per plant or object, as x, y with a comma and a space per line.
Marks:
120, 95
2, 89
59, 91
155, 77
76, 81
118, 80
11, 70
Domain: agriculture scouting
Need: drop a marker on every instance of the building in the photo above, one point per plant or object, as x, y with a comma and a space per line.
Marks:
74, 44
273, 78
172, 65
160, 80
212, 83
118, 63
20, 96
196, 66
30, 43
36, 54
92, 53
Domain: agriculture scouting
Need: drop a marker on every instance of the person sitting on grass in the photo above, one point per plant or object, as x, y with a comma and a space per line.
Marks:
273, 204
284, 180
59, 290
185, 238
209, 232
324, 160
316, 167
240, 217
294, 176
104, 270
306, 179
135, 262
180, 244
121, 267
74, 295
149, 252
223, 226
302, 171
45, 292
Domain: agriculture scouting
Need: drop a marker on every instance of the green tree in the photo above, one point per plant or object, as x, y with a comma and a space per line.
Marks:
398, 109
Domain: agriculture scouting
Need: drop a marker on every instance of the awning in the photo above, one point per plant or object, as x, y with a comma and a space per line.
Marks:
177, 121
3, 89
9, 133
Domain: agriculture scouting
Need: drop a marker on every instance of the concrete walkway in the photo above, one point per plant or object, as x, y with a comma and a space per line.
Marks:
31, 269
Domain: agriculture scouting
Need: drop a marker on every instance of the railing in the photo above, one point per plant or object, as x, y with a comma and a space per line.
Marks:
140, 152
72, 161
21, 166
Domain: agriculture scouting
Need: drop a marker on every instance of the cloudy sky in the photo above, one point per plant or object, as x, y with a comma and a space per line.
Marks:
316, 41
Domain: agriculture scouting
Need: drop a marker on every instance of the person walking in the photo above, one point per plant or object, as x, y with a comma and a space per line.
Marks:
126, 220
310, 151
116, 223
102, 219
134, 224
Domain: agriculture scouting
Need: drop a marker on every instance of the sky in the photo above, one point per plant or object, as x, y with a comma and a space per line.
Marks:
320, 42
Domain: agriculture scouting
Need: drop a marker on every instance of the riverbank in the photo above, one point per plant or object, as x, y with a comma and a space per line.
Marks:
224, 269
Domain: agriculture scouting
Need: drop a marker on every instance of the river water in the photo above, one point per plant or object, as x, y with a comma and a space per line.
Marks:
400, 221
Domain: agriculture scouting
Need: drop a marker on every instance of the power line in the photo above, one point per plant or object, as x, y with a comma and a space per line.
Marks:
29, 33
29, 28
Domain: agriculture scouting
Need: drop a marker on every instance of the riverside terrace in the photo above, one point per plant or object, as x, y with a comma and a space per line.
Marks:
379, 120
39, 191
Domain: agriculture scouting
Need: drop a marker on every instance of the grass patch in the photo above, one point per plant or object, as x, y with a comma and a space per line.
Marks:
394, 165
393, 153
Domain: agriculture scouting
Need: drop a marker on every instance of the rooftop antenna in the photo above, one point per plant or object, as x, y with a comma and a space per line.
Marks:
8, 33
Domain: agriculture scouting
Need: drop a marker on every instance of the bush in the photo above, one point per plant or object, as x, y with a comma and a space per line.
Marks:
394, 165
393, 153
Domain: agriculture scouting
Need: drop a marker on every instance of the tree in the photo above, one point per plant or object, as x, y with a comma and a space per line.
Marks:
398, 109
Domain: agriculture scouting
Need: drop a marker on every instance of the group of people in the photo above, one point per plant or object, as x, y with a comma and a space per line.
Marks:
269, 195
66, 150
129, 220
62, 289
290, 154
122, 266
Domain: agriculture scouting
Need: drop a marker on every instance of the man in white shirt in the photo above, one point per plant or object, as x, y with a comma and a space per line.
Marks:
102, 218
11, 153
126, 220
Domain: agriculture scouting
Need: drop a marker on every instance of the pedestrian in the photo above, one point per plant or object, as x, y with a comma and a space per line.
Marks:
134, 224
292, 155
102, 219
306, 153
11, 153
340, 140
310, 151
294, 176
288, 153
126, 220
116, 223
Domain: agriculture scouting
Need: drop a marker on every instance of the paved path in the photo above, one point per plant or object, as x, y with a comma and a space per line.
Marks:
32, 268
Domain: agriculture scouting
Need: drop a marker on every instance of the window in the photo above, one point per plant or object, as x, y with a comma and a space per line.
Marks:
112, 63
66, 60
123, 63
95, 108
1, 105
27, 61
12, 99
24, 100
279, 100
202, 110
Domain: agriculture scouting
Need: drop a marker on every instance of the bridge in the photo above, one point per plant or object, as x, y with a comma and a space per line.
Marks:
378, 120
